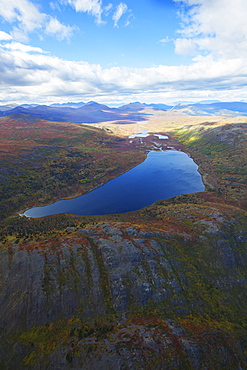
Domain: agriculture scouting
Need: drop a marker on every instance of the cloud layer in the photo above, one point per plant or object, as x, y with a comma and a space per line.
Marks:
214, 32
28, 71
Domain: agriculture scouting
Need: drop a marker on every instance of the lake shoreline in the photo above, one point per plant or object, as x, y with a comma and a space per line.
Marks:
162, 175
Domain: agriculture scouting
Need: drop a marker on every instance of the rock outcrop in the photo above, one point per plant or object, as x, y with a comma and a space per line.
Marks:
117, 296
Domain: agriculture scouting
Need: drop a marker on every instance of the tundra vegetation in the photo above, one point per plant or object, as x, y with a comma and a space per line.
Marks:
160, 288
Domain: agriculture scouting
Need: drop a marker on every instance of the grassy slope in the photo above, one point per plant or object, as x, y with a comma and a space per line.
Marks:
203, 321
222, 153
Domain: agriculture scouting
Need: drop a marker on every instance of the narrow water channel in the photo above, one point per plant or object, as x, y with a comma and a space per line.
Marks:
164, 174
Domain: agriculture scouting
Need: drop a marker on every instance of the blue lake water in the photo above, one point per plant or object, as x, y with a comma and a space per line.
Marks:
164, 174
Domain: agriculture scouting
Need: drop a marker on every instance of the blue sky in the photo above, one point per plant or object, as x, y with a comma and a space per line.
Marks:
116, 52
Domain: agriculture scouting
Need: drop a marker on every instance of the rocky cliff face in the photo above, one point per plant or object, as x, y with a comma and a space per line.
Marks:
116, 296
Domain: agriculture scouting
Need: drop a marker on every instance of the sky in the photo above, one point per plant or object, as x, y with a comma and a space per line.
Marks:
115, 52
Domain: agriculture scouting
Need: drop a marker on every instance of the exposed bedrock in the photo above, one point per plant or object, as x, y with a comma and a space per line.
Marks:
118, 270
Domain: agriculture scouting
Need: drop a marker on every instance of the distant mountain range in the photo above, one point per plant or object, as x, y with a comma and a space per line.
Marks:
93, 112
213, 109
136, 106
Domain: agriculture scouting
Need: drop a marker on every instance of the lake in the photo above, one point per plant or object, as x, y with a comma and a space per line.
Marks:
164, 174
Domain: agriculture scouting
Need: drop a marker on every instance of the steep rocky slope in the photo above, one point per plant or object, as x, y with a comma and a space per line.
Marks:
116, 295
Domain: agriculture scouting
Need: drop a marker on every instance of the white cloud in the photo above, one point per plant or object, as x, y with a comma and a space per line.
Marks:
54, 5
129, 19
121, 9
27, 18
165, 40
4, 36
97, 10
107, 9
54, 27
24, 48
185, 46
23, 12
93, 7
215, 26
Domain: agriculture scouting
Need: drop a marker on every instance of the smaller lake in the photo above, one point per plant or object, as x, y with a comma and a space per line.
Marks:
164, 174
